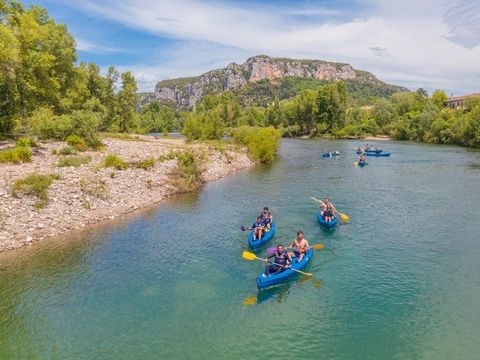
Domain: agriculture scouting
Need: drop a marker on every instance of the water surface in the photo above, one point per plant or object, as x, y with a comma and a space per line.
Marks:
400, 281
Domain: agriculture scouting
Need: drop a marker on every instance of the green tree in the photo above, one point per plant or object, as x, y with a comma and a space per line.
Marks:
127, 102
439, 98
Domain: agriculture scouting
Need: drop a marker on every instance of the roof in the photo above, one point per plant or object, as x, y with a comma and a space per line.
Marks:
463, 97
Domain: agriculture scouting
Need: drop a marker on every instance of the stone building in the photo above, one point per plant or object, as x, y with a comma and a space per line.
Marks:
456, 102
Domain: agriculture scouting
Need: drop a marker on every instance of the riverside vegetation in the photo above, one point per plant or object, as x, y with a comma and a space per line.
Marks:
58, 190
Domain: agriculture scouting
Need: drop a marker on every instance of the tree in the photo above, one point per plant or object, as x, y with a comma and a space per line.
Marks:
439, 98
127, 102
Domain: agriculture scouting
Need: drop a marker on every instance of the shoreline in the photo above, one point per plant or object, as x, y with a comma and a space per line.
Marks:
75, 204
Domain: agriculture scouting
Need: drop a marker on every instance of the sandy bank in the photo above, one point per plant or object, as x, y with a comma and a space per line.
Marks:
91, 193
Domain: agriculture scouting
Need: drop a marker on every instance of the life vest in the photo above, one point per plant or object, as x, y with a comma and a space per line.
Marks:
281, 259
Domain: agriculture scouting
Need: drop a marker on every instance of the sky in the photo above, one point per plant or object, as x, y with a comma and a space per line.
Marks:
433, 44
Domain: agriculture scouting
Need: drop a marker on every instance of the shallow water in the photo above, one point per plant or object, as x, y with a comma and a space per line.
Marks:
400, 281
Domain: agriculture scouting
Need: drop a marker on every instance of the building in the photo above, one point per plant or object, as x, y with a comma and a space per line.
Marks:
456, 102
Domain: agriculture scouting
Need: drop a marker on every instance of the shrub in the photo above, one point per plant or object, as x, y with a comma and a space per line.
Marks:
74, 161
44, 124
261, 143
77, 142
115, 162
189, 175
35, 185
25, 142
192, 128
94, 187
16, 155
67, 150
145, 164
169, 156
85, 124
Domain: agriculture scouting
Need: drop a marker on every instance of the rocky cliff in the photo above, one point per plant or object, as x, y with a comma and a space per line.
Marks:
186, 92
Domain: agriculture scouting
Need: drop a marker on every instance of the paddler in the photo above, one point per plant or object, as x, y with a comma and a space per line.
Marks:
257, 228
281, 259
301, 245
328, 210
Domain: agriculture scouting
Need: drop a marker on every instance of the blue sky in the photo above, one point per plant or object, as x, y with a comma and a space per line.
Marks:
433, 44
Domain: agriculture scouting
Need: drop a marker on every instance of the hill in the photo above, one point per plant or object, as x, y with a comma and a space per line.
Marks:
261, 79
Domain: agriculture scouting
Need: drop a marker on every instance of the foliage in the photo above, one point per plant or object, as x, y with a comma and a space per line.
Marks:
35, 185
94, 187
188, 173
16, 155
45, 92
171, 155
145, 164
26, 142
74, 161
77, 142
67, 150
261, 143
115, 162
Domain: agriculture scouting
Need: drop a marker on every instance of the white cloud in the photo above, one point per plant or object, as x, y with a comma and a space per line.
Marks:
84, 45
424, 45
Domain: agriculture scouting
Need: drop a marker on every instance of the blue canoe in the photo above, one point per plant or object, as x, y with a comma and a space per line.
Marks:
326, 224
385, 154
328, 155
275, 279
265, 237
374, 151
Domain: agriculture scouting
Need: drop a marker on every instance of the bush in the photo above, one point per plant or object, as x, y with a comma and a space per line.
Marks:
261, 143
77, 142
189, 175
74, 161
145, 164
85, 124
44, 124
171, 155
94, 187
115, 162
25, 142
192, 128
35, 185
67, 150
16, 155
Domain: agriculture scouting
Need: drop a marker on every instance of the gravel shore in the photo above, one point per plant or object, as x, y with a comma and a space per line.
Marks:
91, 193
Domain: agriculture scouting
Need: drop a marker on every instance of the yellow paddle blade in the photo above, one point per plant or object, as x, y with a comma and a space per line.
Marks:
355, 163
317, 246
344, 217
248, 255
251, 300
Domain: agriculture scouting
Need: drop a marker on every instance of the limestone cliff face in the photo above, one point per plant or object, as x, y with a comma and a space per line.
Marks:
186, 92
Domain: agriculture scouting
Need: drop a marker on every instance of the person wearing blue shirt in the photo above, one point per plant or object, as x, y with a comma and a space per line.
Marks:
258, 228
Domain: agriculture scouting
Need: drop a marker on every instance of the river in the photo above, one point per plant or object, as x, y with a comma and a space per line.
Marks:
400, 281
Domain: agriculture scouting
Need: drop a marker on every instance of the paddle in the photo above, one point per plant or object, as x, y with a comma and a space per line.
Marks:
271, 250
251, 256
343, 216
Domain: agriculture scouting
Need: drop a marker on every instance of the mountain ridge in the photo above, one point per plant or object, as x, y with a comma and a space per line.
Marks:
262, 78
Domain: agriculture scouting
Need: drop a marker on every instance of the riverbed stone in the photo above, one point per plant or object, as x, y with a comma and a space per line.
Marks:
102, 197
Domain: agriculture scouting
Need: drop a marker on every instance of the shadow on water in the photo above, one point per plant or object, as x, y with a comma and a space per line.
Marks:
280, 293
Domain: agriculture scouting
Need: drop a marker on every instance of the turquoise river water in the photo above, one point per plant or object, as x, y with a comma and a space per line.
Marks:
400, 281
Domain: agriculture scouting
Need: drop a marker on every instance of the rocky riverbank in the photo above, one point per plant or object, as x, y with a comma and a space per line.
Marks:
91, 192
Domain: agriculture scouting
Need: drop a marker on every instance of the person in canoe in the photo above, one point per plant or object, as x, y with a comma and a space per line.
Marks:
281, 259
267, 222
258, 227
328, 210
301, 245
266, 217
361, 159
